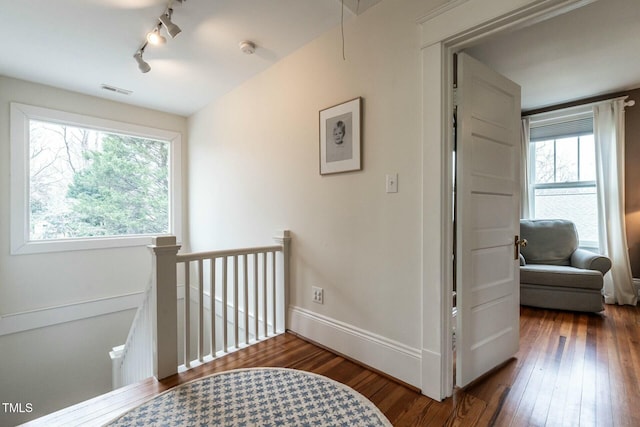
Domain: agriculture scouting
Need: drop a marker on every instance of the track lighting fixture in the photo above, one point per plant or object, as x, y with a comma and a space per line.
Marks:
154, 36
172, 28
142, 64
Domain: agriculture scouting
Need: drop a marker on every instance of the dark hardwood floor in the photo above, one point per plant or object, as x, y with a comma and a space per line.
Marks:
572, 370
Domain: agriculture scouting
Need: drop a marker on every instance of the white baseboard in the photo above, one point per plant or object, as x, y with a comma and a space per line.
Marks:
432, 380
391, 357
25, 321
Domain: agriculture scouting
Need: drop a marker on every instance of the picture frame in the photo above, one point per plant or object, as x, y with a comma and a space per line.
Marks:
340, 137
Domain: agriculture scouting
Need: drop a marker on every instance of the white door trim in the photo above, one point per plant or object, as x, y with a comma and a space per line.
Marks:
445, 31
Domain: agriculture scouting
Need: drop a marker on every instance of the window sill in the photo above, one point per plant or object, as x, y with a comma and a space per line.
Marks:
45, 246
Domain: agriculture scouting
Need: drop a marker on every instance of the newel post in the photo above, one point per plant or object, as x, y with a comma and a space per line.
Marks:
283, 238
164, 307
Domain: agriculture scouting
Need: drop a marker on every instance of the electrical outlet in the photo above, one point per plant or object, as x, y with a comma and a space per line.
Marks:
317, 295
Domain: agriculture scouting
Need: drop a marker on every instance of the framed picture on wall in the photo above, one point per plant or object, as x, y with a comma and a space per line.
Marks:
340, 142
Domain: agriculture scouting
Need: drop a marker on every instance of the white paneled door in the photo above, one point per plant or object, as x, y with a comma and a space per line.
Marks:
488, 213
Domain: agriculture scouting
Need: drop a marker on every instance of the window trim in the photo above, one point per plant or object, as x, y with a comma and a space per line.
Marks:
567, 184
21, 115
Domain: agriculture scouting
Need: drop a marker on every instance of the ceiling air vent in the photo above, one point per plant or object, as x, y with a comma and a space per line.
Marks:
116, 89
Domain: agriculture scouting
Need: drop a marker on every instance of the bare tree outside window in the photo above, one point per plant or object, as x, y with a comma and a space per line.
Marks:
88, 183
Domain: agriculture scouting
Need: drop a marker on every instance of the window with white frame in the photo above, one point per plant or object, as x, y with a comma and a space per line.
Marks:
81, 182
563, 171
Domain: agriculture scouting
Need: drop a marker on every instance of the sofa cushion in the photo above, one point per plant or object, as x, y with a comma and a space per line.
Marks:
549, 241
560, 275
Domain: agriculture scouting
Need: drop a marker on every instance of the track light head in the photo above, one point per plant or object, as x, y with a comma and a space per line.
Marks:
155, 38
172, 28
142, 64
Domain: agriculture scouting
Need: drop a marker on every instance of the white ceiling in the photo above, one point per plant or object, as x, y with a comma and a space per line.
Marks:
81, 44
587, 52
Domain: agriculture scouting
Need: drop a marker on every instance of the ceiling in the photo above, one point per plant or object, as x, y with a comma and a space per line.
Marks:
80, 45
587, 52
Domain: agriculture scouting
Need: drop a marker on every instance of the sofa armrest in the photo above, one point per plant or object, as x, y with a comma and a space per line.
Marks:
588, 260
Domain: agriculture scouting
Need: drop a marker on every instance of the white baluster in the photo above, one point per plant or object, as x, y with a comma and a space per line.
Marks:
255, 297
200, 310
235, 301
225, 338
264, 294
245, 294
273, 291
212, 296
187, 314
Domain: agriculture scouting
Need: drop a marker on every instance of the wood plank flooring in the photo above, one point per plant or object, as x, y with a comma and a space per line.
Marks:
572, 369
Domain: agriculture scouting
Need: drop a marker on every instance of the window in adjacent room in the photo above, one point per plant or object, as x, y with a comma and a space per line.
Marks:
563, 171
80, 182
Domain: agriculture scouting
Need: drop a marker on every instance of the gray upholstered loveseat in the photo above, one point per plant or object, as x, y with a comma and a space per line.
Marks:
554, 272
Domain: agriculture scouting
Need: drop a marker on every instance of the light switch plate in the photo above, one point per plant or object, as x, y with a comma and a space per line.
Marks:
392, 183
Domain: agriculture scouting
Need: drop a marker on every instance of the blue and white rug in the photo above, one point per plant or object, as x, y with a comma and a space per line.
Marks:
265, 397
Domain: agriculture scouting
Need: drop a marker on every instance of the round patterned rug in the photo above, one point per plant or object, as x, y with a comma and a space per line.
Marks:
265, 397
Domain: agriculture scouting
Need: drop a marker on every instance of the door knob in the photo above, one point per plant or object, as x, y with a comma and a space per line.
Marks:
517, 244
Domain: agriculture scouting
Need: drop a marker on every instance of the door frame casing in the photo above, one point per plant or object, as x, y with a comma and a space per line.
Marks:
446, 30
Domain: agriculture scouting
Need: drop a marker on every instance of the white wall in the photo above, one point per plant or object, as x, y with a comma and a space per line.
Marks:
59, 365
253, 169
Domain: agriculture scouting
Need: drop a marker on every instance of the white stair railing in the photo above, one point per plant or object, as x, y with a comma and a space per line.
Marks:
232, 299
133, 361
246, 291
